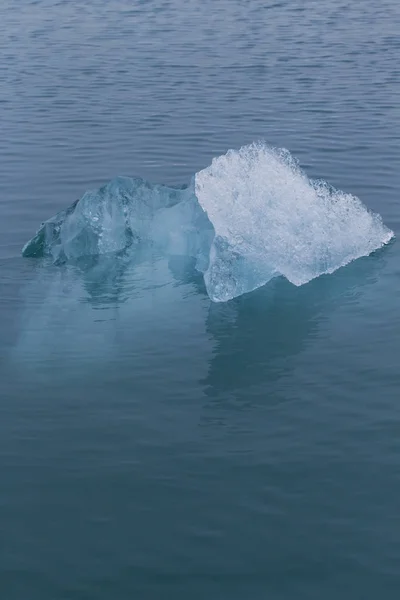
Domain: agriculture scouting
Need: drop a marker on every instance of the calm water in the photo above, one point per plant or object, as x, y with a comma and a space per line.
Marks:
152, 444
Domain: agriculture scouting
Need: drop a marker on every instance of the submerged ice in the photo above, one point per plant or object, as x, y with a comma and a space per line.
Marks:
251, 215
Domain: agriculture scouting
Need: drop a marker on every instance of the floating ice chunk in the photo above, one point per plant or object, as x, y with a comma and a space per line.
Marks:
250, 216
270, 219
104, 221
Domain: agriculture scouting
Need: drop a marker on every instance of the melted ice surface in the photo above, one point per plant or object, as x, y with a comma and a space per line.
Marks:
250, 216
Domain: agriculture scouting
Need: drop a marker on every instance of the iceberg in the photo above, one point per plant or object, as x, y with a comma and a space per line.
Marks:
252, 215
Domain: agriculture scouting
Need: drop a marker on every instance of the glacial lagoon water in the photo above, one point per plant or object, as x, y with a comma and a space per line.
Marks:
155, 443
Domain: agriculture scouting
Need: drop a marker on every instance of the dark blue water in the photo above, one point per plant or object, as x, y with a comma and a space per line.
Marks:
154, 444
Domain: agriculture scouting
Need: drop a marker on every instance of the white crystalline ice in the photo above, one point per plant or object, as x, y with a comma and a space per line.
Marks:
270, 219
250, 216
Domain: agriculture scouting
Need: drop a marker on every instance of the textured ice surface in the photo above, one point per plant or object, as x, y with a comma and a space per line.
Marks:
251, 215
270, 219
111, 219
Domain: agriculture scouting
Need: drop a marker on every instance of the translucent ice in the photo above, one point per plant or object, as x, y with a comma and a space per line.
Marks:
122, 214
251, 215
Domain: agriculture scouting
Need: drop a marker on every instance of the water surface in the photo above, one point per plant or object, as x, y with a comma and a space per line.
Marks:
153, 444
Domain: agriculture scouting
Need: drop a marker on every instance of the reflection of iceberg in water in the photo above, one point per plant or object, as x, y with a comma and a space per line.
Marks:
250, 216
154, 317
258, 336
104, 310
